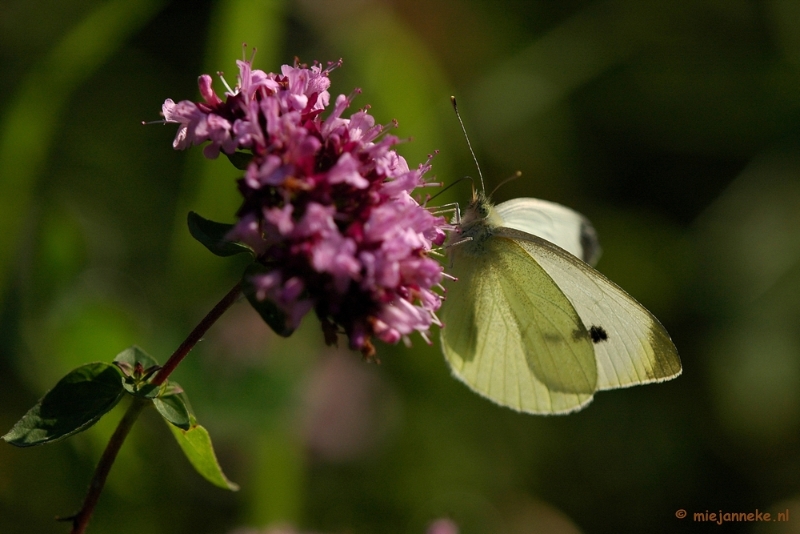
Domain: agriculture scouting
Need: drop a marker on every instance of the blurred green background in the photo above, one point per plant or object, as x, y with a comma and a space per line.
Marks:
674, 126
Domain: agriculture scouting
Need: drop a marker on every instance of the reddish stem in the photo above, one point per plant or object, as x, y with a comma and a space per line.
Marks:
81, 520
197, 334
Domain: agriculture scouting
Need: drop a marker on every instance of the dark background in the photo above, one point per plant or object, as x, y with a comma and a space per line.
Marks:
674, 126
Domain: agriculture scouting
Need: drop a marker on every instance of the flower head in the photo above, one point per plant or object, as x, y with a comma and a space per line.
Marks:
327, 204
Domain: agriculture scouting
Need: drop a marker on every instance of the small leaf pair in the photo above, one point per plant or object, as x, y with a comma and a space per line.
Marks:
87, 393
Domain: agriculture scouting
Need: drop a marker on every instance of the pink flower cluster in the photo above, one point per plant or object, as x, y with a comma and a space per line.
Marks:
327, 205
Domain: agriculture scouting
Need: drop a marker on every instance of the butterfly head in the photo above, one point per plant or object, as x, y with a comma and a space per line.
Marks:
477, 224
480, 212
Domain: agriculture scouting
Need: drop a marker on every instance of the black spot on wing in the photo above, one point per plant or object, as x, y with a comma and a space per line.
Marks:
598, 334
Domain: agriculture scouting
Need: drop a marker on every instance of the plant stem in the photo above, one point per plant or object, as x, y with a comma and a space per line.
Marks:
81, 520
197, 334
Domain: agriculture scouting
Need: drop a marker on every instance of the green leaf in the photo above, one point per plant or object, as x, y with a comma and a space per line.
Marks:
173, 410
196, 445
212, 236
134, 355
240, 160
170, 388
268, 310
76, 402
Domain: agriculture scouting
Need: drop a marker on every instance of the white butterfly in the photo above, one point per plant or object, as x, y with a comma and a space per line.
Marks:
529, 325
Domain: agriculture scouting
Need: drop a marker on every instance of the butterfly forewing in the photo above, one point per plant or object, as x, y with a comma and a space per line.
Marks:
630, 345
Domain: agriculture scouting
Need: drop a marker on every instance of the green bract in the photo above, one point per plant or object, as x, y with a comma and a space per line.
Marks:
268, 310
133, 355
212, 236
138, 368
239, 159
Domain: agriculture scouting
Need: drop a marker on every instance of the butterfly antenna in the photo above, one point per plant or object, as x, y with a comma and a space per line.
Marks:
449, 186
504, 182
458, 116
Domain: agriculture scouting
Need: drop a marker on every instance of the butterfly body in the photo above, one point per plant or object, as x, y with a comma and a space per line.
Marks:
530, 325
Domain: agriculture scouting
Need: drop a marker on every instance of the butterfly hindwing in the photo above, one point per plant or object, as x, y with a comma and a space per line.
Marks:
512, 335
556, 223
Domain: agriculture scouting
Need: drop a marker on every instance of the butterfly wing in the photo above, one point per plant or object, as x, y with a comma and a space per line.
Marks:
630, 345
512, 336
556, 223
